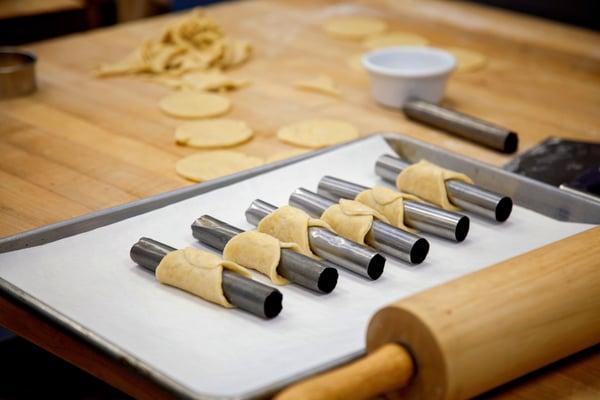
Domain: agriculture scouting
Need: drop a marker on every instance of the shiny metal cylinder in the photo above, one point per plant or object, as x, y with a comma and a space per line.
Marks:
470, 197
384, 237
353, 256
465, 126
293, 266
246, 294
424, 217
17, 72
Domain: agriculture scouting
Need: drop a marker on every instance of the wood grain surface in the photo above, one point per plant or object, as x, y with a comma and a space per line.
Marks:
82, 143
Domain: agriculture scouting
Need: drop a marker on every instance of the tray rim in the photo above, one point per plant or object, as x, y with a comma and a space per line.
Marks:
99, 218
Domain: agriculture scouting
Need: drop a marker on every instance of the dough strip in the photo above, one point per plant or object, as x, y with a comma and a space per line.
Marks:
295, 267
246, 294
382, 236
330, 246
472, 198
422, 216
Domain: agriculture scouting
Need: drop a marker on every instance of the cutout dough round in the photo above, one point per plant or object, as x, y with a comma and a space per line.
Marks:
467, 60
194, 105
395, 39
355, 62
213, 133
282, 155
354, 27
316, 133
320, 84
202, 167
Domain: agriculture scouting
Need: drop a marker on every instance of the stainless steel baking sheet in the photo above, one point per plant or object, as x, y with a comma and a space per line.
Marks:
89, 284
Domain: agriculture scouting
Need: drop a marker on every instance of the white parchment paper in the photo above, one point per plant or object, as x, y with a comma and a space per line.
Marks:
212, 350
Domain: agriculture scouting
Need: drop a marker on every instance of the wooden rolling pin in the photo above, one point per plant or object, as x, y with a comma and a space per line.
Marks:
472, 334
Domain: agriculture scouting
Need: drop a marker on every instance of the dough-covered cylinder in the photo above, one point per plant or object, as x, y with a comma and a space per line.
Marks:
428, 181
257, 251
389, 203
351, 219
290, 224
198, 272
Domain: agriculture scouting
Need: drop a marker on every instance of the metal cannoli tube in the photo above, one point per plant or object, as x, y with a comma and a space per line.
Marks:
330, 246
470, 197
463, 125
246, 294
384, 237
295, 267
423, 217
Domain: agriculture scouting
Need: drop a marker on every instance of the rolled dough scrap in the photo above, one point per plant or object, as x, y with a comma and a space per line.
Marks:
355, 62
354, 27
282, 155
213, 133
428, 181
316, 133
467, 60
212, 81
257, 251
290, 224
202, 167
192, 43
392, 39
321, 84
351, 219
194, 105
389, 203
198, 272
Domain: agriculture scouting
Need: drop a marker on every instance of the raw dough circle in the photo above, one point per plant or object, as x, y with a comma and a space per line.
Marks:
315, 133
395, 39
354, 27
202, 167
194, 105
213, 133
355, 62
467, 60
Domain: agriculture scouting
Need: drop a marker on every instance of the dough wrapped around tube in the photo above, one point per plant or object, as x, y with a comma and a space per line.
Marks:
198, 272
428, 181
257, 251
351, 219
290, 224
389, 203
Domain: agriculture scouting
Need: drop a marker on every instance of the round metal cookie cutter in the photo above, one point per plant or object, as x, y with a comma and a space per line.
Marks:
17, 72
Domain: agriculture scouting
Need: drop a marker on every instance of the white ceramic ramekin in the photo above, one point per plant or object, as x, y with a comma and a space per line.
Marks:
398, 74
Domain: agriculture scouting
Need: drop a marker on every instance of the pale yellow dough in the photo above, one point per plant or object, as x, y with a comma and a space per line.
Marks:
316, 133
467, 60
257, 251
428, 181
202, 167
351, 219
321, 84
355, 62
212, 81
290, 224
393, 39
282, 155
194, 105
198, 272
354, 27
213, 133
192, 43
389, 203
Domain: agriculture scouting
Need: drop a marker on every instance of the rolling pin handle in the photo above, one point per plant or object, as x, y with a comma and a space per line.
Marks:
384, 370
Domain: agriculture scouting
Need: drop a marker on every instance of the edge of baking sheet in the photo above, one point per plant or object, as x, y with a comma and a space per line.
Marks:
97, 219
404, 145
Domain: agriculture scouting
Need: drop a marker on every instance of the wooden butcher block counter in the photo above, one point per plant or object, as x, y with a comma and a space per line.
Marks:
82, 143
